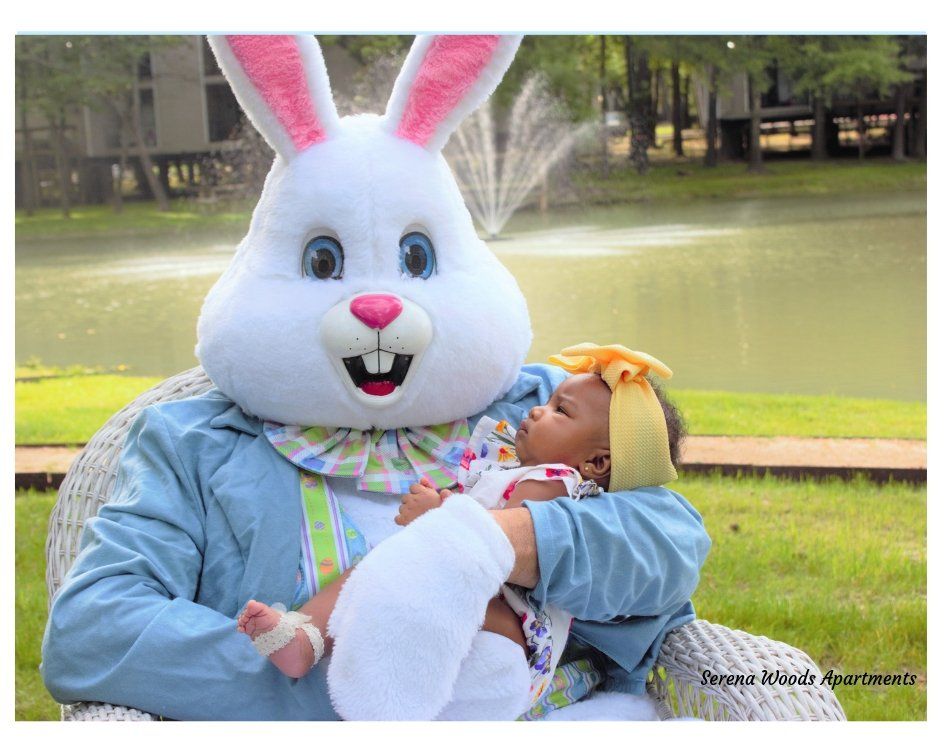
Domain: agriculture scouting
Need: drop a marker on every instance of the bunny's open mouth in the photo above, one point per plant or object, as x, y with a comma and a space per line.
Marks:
378, 373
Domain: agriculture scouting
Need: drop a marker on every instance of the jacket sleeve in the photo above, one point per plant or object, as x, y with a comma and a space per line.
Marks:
125, 627
631, 553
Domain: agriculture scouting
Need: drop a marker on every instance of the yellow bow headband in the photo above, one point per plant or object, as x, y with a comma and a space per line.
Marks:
639, 442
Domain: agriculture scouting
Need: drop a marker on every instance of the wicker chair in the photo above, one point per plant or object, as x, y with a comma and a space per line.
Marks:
676, 683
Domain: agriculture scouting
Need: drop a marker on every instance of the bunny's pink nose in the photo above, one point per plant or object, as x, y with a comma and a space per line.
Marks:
376, 310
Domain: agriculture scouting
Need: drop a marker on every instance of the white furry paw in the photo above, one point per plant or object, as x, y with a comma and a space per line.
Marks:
493, 682
408, 614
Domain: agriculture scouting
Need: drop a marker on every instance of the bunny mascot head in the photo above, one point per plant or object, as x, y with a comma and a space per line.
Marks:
362, 296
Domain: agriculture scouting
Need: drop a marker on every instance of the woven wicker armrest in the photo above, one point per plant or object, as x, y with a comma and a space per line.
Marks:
103, 712
683, 686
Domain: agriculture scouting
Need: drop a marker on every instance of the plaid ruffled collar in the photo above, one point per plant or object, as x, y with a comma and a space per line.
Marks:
385, 461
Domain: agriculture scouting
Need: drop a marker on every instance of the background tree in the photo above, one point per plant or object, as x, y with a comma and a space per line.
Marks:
752, 54
602, 76
864, 67
380, 58
807, 60
912, 57
50, 82
571, 66
713, 63
110, 68
639, 101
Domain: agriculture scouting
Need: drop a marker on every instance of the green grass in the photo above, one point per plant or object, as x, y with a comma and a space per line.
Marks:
70, 408
136, 218
782, 178
836, 569
32, 515
711, 413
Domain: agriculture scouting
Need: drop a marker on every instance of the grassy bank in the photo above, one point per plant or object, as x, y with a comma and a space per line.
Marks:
68, 409
677, 182
184, 217
32, 519
665, 182
836, 569
711, 413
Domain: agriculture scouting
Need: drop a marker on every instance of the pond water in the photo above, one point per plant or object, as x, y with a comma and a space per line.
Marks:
823, 295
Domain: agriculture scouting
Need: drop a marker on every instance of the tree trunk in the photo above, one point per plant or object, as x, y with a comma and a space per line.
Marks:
712, 127
686, 115
164, 167
154, 184
755, 164
860, 131
30, 185
62, 165
637, 101
117, 179
657, 89
818, 149
645, 89
605, 166
921, 115
899, 130
677, 111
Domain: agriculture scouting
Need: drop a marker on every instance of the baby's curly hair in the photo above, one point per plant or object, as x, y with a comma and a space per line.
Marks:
675, 423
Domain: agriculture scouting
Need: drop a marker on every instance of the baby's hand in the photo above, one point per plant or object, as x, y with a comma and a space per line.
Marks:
422, 498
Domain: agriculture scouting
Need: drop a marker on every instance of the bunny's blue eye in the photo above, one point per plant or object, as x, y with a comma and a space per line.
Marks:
323, 258
417, 258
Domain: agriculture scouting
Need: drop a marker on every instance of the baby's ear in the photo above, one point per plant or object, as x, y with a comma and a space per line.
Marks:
281, 82
444, 79
597, 466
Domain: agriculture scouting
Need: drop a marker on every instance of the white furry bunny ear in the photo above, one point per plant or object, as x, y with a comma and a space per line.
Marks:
281, 82
444, 79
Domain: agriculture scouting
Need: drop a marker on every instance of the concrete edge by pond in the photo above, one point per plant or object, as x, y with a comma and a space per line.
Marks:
878, 459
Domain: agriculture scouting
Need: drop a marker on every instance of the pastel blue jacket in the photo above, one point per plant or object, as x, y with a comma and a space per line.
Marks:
204, 516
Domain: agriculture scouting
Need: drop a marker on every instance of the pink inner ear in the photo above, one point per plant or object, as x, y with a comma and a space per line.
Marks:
451, 66
274, 67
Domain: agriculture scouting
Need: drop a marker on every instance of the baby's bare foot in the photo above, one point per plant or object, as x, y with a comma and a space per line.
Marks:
294, 659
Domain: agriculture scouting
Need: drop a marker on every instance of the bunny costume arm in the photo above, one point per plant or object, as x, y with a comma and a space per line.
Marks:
145, 615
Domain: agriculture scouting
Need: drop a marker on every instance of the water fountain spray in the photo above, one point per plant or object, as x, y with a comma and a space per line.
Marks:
539, 135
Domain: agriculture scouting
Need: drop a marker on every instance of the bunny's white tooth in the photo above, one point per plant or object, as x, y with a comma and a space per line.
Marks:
372, 361
385, 361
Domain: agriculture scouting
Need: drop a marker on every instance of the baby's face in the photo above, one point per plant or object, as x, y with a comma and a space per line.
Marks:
571, 428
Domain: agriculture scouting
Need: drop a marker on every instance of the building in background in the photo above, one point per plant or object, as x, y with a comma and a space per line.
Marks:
188, 115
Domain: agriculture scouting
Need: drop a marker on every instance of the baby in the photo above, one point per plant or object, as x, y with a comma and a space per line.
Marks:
605, 427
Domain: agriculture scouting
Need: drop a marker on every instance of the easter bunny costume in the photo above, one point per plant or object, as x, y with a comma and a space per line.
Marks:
361, 304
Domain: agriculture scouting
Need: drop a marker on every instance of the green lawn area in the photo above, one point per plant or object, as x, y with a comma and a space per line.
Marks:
782, 178
32, 520
136, 218
711, 413
69, 408
837, 569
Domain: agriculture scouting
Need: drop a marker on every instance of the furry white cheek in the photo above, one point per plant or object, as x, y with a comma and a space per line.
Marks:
263, 353
482, 333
